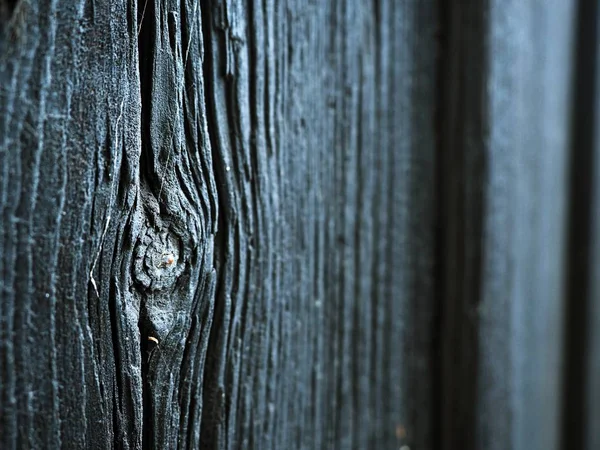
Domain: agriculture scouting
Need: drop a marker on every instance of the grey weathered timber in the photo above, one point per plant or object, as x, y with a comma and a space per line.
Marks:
306, 224
199, 202
322, 129
505, 154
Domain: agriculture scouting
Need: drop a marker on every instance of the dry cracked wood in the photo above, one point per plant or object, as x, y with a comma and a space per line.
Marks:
282, 224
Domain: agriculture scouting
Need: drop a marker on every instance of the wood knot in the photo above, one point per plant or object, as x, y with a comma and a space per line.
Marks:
158, 259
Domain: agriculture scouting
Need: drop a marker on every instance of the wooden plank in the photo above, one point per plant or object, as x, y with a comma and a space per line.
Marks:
217, 224
505, 148
323, 111
277, 224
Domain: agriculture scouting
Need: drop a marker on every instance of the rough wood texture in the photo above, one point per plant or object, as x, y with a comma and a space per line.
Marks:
321, 143
225, 179
279, 224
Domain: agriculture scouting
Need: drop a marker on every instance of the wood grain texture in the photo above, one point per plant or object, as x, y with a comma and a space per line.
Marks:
278, 224
322, 331
199, 201
100, 184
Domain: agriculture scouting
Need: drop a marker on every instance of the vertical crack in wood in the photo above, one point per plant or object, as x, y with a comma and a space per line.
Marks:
146, 36
214, 428
177, 212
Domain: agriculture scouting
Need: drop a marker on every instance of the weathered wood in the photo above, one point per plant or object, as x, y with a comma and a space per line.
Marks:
505, 150
294, 224
199, 204
321, 118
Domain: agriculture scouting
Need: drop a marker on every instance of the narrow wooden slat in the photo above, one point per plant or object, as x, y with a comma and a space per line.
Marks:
505, 150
